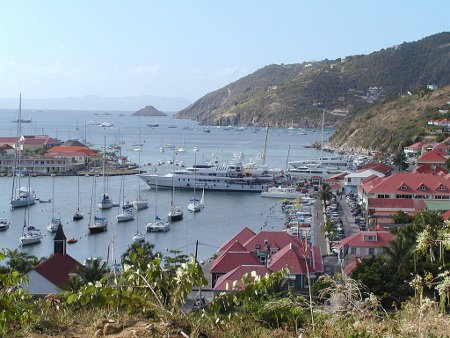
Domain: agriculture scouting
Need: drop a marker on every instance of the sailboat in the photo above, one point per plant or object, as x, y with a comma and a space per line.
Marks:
138, 238
141, 202
176, 211
30, 235
78, 214
158, 225
23, 196
55, 222
194, 204
106, 201
127, 211
98, 224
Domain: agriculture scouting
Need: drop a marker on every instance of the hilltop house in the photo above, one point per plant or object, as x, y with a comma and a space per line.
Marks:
52, 274
269, 251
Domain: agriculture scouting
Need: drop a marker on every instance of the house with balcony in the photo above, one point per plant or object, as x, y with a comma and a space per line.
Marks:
78, 157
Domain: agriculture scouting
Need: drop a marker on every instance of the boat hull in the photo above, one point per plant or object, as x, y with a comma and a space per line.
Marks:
22, 202
29, 239
175, 216
97, 229
229, 184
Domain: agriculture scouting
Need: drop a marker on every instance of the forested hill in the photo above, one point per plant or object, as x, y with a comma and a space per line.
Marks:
296, 94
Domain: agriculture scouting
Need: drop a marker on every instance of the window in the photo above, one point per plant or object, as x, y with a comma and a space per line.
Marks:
403, 187
349, 179
441, 188
403, 196
371, 238
371, 251
422, 187
353, 251
422, 196
382, 196
257, 246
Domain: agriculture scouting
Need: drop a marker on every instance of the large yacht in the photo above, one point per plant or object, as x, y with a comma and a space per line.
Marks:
233, 176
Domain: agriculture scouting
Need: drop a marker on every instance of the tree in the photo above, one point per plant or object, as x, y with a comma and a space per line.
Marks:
325, 194
402, 218
171, 264
400, 160
21, 262
139, 255
93, 271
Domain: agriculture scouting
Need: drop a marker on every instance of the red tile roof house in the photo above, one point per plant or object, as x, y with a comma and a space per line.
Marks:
434, 156
38, 142
51, 275
402, 191
80, 157
363, 244
271, 249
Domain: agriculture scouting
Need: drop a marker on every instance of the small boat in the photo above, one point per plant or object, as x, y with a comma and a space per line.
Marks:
175, 214
158, 225
45, 201
54, 224
126, 215
100, 225
153, 125
194, 205
72, 240
4, 224
139, 238
78, 214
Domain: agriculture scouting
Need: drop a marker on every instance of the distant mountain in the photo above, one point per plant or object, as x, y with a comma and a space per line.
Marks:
148, 111
296, 94
97, 103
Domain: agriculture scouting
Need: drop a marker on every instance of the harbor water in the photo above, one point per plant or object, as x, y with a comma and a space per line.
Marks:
225, 213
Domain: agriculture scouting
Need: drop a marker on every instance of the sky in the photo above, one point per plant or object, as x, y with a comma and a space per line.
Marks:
181, 48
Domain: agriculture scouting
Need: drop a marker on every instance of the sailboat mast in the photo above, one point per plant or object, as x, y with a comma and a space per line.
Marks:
321, 144
287, 157
265, 145
78, 185
53, 196
104, 165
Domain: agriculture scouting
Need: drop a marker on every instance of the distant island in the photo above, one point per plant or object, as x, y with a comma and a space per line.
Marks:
148, 111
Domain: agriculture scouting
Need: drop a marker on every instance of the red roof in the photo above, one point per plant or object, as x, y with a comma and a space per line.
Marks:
360, 240
396, 204
411, 183
446, 215
40, 139
71, 149
237, 274
8, 140
415, 146
232, 259
430, 168
433, 156
57, 268
379, 167
242, 236
269, 238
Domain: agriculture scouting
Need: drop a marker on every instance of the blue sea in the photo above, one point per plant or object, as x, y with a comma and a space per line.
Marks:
225, 213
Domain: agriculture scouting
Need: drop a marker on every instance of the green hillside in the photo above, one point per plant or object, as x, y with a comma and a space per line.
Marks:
296, 94
400, 121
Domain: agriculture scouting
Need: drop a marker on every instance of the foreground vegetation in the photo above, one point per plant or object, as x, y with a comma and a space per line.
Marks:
149, 297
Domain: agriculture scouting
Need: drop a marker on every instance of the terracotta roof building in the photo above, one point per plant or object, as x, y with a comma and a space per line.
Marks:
363, 244
272, 250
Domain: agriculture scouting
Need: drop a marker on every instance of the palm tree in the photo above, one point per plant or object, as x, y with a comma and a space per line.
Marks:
94, 270
325, 194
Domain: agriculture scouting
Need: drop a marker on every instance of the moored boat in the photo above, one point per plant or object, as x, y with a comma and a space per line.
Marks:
281, 192
4, 224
